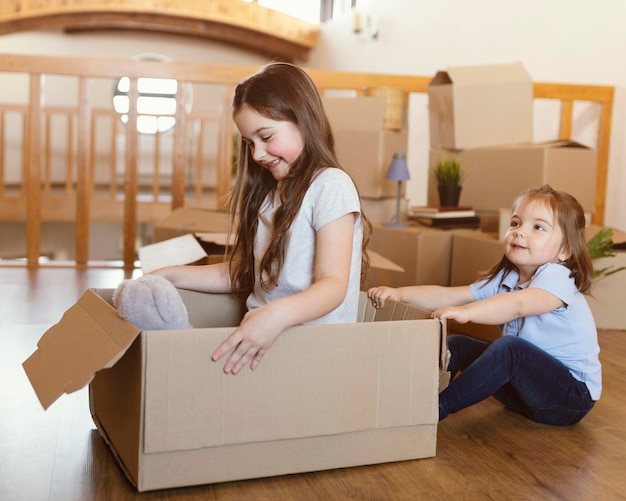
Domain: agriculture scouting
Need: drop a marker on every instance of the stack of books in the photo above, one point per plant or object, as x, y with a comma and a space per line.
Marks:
445, 217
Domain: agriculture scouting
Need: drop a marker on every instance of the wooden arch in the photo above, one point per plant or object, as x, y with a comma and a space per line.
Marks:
247, 25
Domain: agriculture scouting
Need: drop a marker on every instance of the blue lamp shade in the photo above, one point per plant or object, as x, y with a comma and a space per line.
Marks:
398, 169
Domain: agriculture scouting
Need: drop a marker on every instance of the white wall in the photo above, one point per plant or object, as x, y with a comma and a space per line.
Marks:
565, 41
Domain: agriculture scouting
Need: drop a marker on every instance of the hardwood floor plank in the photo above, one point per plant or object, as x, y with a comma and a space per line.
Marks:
484, 452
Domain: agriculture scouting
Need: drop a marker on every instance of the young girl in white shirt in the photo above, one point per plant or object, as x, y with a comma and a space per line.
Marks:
298, 253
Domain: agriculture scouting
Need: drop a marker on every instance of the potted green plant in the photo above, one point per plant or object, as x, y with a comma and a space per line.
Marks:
449, 173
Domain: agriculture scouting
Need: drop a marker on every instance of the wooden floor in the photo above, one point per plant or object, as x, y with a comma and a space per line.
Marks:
484, 452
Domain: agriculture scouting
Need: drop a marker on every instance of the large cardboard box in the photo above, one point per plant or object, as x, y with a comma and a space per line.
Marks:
473, 253
422, 252
325, 396
364, 146
607, 296
496, 176
190, 220
475, 106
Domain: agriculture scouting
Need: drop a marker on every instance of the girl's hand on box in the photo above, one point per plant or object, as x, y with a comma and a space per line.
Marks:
256, 333
457, 313
378, 295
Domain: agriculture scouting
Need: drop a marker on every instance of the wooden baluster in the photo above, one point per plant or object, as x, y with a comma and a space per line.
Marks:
47, 185
2, 142
156, 174
130, 178
83, 172
604, 138
565, 127
113, 158
32, 171
69, 168
198, 137
180, 147
225, 149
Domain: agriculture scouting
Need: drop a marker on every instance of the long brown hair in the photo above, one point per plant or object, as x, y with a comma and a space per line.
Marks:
281, 92
570, 217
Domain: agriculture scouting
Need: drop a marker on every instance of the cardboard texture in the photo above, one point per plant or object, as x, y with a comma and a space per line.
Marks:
473, 253
325, 396
476, 106
364, 146
189, 220
607, 299
496, 176
423, 253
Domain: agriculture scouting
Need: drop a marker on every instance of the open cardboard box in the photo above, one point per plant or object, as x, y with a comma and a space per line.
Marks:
422, 253
325, 396
475, 106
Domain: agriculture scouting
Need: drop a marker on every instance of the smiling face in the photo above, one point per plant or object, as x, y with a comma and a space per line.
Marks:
273, 144
534, 238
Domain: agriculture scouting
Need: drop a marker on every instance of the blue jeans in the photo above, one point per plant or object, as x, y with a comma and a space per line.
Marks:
522, 376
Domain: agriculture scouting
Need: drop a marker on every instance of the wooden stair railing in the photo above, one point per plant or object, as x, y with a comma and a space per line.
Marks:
81, 200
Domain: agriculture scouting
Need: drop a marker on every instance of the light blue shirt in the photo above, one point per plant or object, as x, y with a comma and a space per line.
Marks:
568, 332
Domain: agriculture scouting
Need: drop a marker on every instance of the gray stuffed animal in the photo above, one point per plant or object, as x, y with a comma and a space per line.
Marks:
151, 303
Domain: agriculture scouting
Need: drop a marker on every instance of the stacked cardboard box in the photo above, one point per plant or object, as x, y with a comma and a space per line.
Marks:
364, 142
422, 253
484, 116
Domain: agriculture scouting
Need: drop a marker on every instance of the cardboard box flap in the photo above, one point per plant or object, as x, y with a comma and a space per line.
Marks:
547, 145
181, 250
440, 78
186, 409
491, 74
86, 339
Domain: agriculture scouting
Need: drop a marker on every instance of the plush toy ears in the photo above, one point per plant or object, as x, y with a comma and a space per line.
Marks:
151, 303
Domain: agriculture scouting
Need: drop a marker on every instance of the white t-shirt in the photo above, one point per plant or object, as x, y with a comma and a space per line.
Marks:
332, 194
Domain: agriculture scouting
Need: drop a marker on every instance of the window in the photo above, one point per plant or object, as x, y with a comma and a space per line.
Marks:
156, 104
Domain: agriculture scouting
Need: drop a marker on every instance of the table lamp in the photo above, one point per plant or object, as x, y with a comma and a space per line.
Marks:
398, 171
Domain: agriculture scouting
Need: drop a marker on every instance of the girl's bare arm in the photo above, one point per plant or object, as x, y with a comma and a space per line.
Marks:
427, 297
503, 307
261, 327
204, 278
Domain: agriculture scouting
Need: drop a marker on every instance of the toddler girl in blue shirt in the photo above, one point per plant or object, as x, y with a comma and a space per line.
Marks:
545, 366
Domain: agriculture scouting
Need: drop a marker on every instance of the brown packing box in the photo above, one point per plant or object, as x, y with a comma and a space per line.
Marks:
473, 253
496, 176
607, 299
325, 396
423, 253
364, 146
189, 220
475, 106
